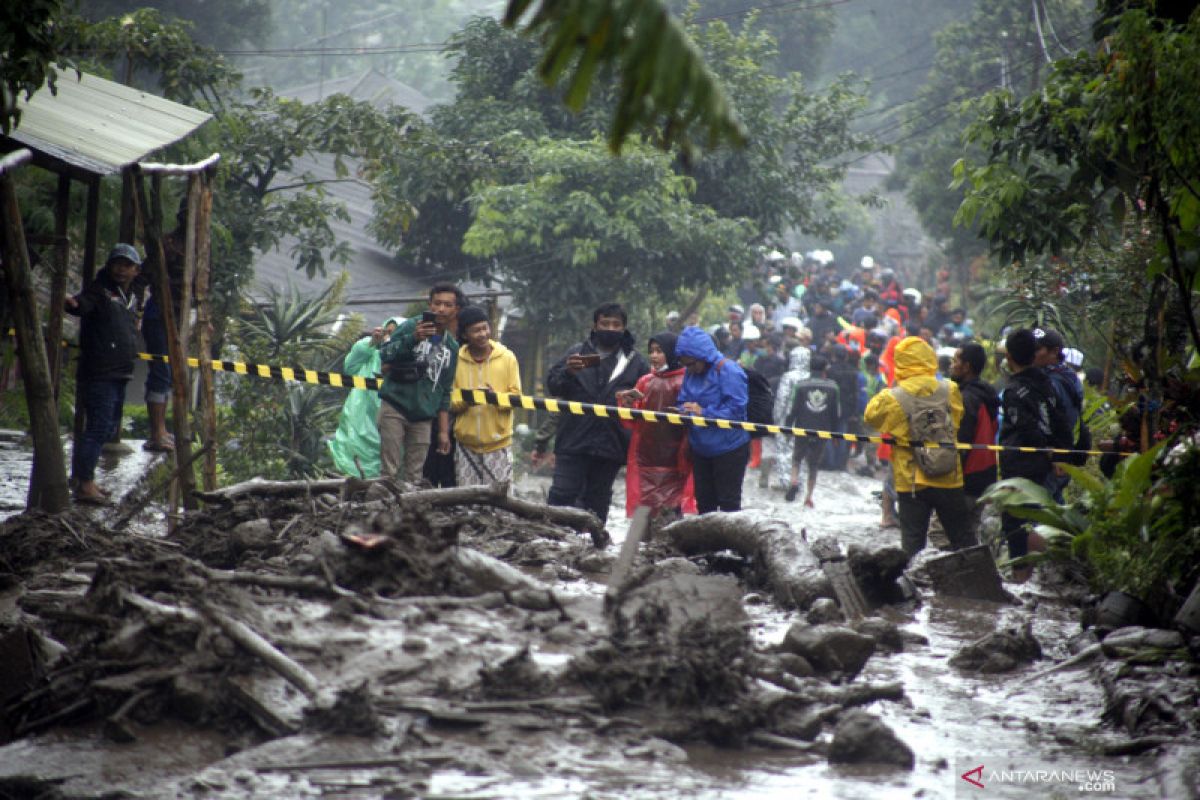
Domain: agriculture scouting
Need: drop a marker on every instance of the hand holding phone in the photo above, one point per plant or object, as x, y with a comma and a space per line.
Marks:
427, 327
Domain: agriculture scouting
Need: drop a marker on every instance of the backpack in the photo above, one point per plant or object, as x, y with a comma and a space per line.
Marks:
929, 421
760, 401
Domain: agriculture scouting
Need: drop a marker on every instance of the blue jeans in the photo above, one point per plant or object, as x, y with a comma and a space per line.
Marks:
102, 403
158, 374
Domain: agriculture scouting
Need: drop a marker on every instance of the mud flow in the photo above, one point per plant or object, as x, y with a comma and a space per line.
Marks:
359, 639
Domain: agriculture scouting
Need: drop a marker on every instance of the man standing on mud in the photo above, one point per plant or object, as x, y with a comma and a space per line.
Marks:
589, 451
108, 341
484, 433
421, 358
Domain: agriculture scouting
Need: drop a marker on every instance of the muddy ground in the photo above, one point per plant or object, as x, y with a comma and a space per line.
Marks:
328, 644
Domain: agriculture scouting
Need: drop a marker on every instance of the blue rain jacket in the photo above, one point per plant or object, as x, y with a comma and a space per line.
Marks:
721, 392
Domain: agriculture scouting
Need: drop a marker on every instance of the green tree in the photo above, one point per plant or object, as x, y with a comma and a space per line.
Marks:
1112, 141
997, 46
218, 23
30, 48
603, 228
803, 33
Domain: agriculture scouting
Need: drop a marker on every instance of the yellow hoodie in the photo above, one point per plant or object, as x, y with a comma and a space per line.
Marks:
485, 428
916, 373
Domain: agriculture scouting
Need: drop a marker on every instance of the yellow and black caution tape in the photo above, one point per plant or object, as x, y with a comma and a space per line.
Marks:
553, 405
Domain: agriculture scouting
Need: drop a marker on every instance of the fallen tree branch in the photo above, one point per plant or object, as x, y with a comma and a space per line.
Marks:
255, 644
497, 496
264, 488
289, 582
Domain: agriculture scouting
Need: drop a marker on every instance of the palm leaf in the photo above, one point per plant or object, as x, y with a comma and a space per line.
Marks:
661, 75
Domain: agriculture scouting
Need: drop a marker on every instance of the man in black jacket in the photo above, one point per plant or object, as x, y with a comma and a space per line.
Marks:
589, 450
108, 345
1030, 417
981, 410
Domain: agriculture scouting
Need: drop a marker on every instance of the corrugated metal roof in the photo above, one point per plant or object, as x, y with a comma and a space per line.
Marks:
100, 126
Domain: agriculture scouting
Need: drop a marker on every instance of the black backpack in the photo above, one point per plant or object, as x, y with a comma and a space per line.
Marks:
760, 401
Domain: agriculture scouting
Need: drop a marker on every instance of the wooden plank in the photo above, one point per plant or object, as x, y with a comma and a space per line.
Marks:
637, 530
849, 595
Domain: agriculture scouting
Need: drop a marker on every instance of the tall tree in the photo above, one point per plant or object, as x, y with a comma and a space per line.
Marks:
604, 228
999, 46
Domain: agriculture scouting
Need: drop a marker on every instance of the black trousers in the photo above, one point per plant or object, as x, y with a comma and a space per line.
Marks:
915, 509
718, 480
583, 482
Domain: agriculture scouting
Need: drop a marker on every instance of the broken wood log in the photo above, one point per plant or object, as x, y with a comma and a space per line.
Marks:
788, 565
131, 507
265, 488
497, 496
491, 574
777, 742
268, 653
971, 573
288, 582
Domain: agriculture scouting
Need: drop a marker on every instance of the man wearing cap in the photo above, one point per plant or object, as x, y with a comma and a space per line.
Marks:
107, 310
484, 432
1068, 389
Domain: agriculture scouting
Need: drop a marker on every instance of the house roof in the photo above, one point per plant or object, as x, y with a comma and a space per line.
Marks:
371, 86
95, 126
375, 273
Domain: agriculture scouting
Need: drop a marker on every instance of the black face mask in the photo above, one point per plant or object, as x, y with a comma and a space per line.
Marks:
607, 339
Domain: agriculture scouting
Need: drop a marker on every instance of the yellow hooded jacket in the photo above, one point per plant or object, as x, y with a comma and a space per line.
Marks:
485, 428
916, 373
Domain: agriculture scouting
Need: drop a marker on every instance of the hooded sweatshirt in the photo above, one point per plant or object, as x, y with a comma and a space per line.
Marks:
485, 428
721, 391
916, 373
107, 330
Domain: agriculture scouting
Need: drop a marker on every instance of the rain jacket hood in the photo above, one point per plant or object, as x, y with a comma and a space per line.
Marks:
916, 373
799, 359
695, 343
667, 341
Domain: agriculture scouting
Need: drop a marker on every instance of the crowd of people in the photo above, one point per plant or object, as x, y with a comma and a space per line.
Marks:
860, 355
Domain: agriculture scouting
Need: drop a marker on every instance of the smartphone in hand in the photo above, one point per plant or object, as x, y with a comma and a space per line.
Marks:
428, 316
590, 359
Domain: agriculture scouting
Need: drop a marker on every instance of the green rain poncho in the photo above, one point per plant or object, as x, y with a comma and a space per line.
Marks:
357, 434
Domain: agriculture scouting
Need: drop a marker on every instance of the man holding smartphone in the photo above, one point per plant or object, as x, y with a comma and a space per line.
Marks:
420, 359
589, 450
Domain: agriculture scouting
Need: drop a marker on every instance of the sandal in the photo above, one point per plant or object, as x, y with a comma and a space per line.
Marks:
92, 500
158, 447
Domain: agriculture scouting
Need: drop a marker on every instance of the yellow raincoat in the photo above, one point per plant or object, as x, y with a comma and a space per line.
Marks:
916, 372
485, 428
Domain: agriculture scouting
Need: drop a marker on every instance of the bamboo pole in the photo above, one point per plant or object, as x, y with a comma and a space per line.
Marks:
48, 482
90, 236
208, 403
58, 283
149, 215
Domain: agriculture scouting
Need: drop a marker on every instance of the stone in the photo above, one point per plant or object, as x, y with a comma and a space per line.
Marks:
1126, 642
830, 648
803, 724
877, 563
681, 599
861, 738
253, 535
970, 572
886, 634
796, 665
824, 610
1000, 651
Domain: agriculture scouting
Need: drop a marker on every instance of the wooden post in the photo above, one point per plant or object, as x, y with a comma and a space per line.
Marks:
58, 283
208, 402
48, 482
127, 228
149, 215
91, 233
